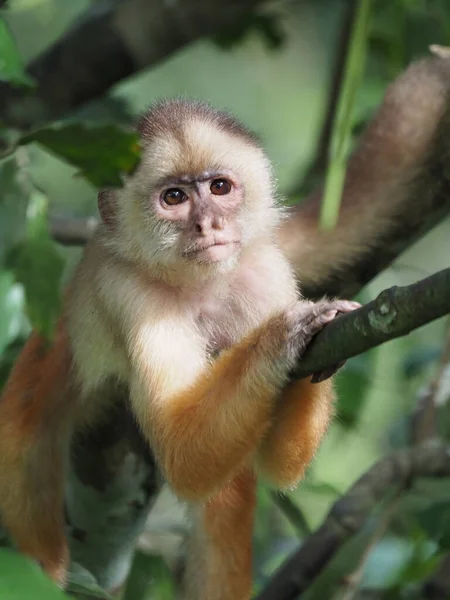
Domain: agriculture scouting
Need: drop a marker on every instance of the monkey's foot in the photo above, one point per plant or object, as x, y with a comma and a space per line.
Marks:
342, 306
309, 320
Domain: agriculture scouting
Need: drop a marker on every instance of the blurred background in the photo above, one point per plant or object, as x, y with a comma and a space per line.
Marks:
277, 79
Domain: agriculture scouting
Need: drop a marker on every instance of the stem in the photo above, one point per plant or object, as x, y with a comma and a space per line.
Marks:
341, 134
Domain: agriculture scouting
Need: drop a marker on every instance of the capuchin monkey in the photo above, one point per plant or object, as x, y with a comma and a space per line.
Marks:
184, 298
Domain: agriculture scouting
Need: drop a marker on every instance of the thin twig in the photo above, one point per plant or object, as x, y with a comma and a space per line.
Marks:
319, 161
352, 582
292, 512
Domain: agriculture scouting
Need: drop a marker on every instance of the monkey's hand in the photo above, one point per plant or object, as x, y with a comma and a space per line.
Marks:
304, 410
307, 319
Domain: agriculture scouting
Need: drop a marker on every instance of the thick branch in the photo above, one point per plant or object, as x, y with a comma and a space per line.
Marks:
395, 312
350, 512
113, 40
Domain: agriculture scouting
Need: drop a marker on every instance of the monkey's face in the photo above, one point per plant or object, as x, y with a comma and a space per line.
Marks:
202, 209
201, 194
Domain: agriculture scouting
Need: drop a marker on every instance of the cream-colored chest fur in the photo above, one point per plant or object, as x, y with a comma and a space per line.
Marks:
258, 290
220, 313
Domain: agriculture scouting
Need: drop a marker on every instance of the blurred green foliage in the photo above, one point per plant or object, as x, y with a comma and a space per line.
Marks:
21, 578
274, 74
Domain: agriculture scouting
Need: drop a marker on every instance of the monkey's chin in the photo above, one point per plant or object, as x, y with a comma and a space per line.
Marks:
217, 253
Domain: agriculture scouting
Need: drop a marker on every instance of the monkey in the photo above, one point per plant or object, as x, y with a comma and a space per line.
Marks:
234, 310
184, 297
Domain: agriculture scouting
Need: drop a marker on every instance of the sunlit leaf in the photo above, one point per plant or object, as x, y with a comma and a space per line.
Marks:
22, 579
103, 153
38, 266
11, 305
11, 66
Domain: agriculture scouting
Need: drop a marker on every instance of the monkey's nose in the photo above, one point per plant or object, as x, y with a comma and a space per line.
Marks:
203, 226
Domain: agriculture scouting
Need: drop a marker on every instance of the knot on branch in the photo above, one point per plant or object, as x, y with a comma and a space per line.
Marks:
384, 311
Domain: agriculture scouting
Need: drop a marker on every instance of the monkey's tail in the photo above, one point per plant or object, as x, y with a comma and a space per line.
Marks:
34, 413
398, 175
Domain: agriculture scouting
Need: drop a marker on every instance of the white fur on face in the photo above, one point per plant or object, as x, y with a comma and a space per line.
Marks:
200, 146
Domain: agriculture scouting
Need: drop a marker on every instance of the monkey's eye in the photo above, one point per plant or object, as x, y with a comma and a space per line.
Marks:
174, 196
220, 187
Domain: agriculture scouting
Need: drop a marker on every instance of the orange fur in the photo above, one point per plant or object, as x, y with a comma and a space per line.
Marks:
34, 415
300, 422
220, 557
218, 421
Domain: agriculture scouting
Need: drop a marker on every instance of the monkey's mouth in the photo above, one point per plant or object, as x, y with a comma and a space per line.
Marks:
213, 252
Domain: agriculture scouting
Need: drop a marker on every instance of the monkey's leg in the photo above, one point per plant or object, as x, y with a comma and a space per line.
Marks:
34, 413
300, 422
220, 550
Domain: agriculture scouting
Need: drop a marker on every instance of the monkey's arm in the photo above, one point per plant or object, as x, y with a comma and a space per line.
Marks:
401, 156
300, 421
205, 421
35, 411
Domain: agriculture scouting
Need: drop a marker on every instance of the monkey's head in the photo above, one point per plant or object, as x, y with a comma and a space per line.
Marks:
203, 192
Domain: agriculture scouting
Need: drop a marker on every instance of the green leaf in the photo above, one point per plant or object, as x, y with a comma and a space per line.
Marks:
11, 66
22, 579
150, 579
352, 389
435, 521
11, 306
13, 206
103, 153
38, 266
81, 581
268, 25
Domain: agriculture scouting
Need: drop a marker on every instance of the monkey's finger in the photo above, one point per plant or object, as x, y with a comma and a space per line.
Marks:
345, 306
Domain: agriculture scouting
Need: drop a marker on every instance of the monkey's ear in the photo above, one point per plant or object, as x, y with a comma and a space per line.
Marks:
107, 207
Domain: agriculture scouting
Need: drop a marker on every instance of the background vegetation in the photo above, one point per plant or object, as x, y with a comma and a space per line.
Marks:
276, 77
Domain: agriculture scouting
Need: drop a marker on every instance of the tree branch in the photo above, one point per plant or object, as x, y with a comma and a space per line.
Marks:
350, 512
395, 312
113, 40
